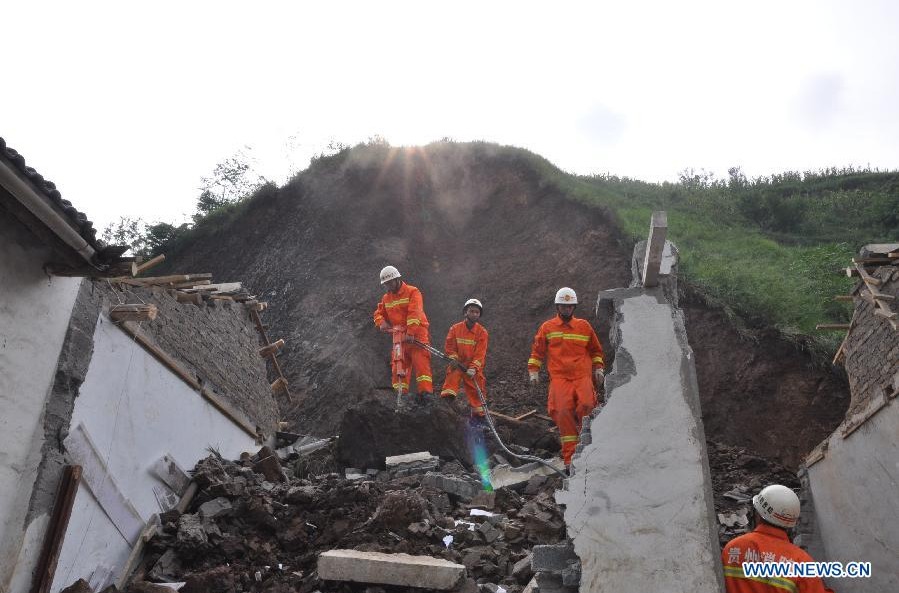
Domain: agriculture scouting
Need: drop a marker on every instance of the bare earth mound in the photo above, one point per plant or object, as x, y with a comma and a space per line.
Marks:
464, 221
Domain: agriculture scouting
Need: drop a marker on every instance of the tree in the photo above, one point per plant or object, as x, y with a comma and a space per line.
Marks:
127, 231
232, 180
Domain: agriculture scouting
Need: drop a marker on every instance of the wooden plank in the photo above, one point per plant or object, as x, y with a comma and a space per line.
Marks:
119, 313
136, 551
194, 298
655, 245
526, 415
832, 326
885, 313
503, 417
168, 470
56, 530
80, 448
270, 349
188, 378
867, 278
152, 263
254, 315
844, 298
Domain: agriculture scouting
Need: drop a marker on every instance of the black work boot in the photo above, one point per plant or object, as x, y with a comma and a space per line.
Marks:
425, 399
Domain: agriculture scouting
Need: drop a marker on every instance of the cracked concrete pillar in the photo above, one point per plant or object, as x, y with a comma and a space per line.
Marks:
639, 507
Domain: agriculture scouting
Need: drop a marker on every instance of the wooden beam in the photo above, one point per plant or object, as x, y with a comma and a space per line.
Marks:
832, 326
279, 385
56, 530
194, 298
526, 414
134, 312
272, 348
166, 280
885, 313
149, 264
504, 417
844, 298
254, 315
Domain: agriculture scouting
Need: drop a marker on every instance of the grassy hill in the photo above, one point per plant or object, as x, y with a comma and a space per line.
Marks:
769, 250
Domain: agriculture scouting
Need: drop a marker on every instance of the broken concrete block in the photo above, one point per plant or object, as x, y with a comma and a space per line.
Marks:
522, 571
553, 558
489, 532
552, 583
531, 587
269, 466
504, 476
215, 507
166, 567
571, 576
484, 500
389, 569
79, 586
461, 487
191, 534
395, 460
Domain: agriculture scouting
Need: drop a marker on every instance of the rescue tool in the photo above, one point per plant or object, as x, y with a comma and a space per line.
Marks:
487, 418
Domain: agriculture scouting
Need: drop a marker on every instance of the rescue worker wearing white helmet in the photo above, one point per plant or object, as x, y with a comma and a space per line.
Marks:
466, 342
776, 511
402, 309
574, 360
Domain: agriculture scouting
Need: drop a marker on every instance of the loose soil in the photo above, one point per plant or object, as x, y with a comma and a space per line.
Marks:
462, 221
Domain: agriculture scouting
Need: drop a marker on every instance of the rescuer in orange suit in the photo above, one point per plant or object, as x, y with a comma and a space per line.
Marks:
776, 511
466, 342
575, 363
402, 308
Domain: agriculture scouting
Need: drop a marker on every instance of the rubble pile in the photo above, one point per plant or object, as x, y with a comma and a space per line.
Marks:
738, 474
260, 524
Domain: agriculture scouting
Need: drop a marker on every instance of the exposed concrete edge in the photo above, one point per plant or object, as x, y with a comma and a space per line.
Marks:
71, 369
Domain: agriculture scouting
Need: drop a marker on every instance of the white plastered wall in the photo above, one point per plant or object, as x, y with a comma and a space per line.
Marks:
34, 316
855, 489
135, 411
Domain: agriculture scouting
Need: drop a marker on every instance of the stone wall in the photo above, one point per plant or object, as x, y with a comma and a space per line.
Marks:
872, 348
216, 341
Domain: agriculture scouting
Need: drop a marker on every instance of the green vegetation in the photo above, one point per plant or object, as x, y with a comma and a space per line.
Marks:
770, 250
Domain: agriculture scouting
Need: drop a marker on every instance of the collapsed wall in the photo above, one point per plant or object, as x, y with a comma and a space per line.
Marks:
853, 475
126, 396
639, 507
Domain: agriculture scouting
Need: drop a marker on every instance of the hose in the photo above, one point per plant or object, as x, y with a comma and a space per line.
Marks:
458, 364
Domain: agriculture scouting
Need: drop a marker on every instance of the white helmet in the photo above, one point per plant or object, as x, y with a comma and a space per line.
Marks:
388, 274
777, 505
474, 302
566, 296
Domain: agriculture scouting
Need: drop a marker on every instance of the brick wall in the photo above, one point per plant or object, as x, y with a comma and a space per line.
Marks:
217, 342
872, 348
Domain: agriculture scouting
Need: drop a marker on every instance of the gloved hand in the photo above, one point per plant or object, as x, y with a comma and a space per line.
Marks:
599, 375
472, 371
384, 326
534, 377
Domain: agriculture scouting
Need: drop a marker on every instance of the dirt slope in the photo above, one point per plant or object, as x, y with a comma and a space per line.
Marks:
464, 221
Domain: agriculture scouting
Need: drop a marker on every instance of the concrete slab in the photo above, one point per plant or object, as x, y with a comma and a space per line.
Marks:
505, 476
389, 569
639, 506
407, 458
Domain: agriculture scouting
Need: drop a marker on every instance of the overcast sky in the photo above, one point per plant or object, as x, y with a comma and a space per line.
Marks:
126, 105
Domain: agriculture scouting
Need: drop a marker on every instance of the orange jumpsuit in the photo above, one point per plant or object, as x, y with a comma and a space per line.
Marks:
766, 543
574, 352
468, 346
405, 309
